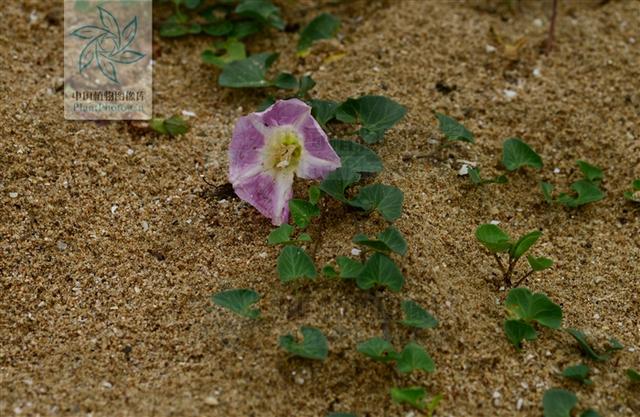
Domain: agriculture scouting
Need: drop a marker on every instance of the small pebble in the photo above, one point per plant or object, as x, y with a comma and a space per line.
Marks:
107, 384
299, 380
211, 400
536, 72
188, 113
538, 22
556, 170
509, 93
495, 222
61, 245
490, 49
13, 195
356, 252
145, 225
464, 170
129, 151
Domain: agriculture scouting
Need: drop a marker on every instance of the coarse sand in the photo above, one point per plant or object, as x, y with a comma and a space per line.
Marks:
111, 243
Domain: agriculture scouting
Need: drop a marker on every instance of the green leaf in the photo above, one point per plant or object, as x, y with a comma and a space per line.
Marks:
587, 192
286, 81
539, 264
414, 358
386, 199
294, 263
248, 72
416, 316
244, 28
517, 331
302, 212
234, 51
547, 191
633, 375
261, 10
176, 125
517, 154
414, 396
377, 349
314, 194
493, 238
282, 234
313, 346
336, 182
523, 305
349, 269
376, 115
476, 178
173, 126
266, 103
389, 240
219, 28
585, 347
524, 243
306, 84
329, 271
578, 373
591, 172
192, 4
558, 403
239, 301
590, 413
634, 194
323, 110
304, 237
324, 26
453, 130
173, 29
380, 270
357, 157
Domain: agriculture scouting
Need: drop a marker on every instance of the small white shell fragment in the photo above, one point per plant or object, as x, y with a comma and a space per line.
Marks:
536, 72
495, 222
490, 48
464, 170
188, 113
13, 195
509, 93
556, 170
211, 400
538, 22
114, 208
356, 252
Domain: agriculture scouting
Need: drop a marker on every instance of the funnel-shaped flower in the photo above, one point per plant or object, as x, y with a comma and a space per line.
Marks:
267, 148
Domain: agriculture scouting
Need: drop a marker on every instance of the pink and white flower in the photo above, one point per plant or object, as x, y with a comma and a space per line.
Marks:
266, 150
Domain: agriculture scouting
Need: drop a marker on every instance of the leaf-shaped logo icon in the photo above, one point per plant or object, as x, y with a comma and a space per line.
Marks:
107, 45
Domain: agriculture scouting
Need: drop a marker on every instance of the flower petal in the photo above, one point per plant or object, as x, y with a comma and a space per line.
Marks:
245, 151
285, 112
269, 194
318, 157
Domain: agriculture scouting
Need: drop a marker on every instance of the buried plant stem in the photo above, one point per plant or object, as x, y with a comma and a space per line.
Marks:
552, 27
317, 242
499, 261
377, 300
524, 277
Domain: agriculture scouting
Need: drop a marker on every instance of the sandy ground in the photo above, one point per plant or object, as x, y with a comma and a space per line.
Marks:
111, 244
